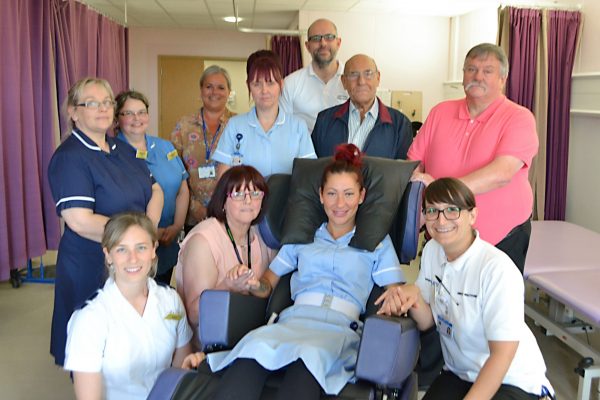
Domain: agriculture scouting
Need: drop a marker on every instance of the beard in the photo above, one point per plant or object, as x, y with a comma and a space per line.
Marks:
323, 61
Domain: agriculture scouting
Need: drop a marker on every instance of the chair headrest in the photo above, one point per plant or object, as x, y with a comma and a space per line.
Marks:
385, 182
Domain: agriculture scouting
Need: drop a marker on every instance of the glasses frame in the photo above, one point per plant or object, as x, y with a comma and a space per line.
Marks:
367, 74
95, 104
329, 37
443, 210
132, 114
253, 194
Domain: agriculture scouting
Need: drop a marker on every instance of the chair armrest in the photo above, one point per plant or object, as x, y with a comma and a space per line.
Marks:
168, 382
225, 317
388, 352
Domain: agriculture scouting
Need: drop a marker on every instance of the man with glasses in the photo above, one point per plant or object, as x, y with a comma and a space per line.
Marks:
318, 85
363, 120
488, 142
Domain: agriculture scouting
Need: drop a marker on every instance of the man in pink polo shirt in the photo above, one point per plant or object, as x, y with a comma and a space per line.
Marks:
488, 142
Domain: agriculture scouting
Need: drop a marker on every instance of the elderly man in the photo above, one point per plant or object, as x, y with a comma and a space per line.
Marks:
317, 86
363, 120
488, 142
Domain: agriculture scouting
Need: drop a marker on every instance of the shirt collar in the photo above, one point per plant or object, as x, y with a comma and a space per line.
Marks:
373, 111
89, 143
323, 233
338, 73
461, 261
253, 120
463, 112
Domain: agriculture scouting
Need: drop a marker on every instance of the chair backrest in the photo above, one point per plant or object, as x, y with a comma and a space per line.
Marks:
286, 206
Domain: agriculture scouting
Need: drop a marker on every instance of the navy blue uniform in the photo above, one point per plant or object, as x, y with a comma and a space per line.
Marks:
81, 175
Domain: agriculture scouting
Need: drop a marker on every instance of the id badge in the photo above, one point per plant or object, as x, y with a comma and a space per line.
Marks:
207, 171
237, 159
445, 327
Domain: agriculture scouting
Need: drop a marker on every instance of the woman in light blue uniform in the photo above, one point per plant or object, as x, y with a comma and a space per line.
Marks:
265, 137
316, 340
131, 114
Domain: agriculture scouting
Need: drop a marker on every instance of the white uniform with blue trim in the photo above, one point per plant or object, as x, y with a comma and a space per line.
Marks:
485, 302
321, 337
130, 350
269, 152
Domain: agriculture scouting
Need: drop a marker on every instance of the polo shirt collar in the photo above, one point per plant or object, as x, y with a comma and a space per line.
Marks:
89, 143
463, 112
473, 249
311, 70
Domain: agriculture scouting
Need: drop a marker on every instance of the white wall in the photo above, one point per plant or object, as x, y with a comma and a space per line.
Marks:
583, 186
145, 45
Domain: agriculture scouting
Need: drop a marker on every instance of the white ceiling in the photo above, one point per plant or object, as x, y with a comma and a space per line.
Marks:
275, 14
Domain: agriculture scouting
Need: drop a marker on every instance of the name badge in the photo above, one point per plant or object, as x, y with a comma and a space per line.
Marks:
444, 326
207, 171
143, 154
171, 155
237, 159
174, 316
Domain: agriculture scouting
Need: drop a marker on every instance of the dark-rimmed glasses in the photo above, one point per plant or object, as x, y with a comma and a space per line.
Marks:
451, 213
329, 37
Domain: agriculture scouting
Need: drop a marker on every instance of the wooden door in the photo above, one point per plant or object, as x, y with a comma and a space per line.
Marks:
178, 89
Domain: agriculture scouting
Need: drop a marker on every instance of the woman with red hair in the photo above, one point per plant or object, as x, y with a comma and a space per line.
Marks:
316, 339
265, 137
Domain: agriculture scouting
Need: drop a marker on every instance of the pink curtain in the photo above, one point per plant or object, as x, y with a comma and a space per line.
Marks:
563, 29
34, 80
88, 44
28, 222
524, 34
289, 52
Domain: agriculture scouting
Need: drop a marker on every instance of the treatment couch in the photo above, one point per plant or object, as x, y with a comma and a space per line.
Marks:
563, 266
389, 346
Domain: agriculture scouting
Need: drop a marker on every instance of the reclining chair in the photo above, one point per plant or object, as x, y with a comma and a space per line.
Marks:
389, 346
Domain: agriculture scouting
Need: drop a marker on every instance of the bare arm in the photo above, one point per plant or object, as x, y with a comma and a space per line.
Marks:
199, 273
265, 285
181, 206
494, 175
85, 223
180, 354
155, 205
88, 385
491, 375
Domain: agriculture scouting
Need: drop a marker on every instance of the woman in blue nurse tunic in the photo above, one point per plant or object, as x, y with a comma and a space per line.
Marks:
132, 117
92, 176
265, 138
316, 344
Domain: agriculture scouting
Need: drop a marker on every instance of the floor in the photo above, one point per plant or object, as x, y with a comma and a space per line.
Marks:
27, 370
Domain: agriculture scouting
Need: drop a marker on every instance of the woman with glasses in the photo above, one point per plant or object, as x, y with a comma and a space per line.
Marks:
266, 138
225, 250
473, 294
196, 137
92, 176
131, 114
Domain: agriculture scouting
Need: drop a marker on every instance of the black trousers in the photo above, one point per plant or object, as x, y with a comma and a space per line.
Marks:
516, 244
245, 379
448, 386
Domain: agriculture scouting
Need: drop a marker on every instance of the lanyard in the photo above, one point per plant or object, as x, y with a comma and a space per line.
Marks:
214, 139
237, 253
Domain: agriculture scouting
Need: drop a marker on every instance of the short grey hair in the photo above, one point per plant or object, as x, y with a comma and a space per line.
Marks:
213, 70
485, 49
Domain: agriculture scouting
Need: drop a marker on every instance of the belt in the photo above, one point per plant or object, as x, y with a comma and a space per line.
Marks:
328, 301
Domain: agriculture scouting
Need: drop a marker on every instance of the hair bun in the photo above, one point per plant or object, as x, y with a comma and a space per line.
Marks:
349, 153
